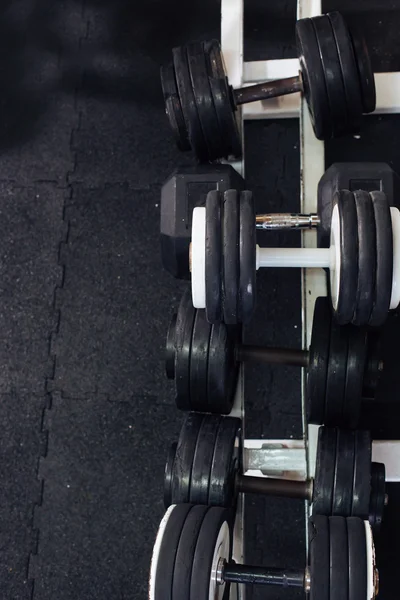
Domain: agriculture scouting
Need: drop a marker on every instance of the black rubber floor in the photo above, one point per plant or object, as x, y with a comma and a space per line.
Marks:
87, 412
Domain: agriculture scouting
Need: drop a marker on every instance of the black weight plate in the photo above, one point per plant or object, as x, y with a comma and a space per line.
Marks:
332, 72
378, 496
338, 559
185, 553
213, 256
170, 348
199, 362
342, 498
362, 475
314, 85
318, 361
182, 471
169, 469
349, 70
223, 101
358, 569
202, 461
365, 72
247, 257
204, 99
355, 366
324, 471
366, 257
222, 370
204, 553
183, 346
348, 243
188, 103
319, 549
173, 107
336, 375
226, 463
230, 257
384, 259
374, 368
164, 573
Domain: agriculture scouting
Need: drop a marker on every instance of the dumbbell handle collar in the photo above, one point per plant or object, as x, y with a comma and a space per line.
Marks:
278, 221
267, 89
270, 486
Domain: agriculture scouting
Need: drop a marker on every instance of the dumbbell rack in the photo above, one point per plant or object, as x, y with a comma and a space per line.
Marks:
292, 459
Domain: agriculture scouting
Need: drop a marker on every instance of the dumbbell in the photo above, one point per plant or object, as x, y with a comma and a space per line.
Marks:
335, 77
363, 258
205, 467
343, 364
192, 558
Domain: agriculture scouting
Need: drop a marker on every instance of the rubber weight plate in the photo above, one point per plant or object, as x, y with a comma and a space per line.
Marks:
319, 561
365, 72
366, 257
349, 70
204, 99
355, 368
173, 107
358, 565
202, 460
199, 363
332, 72
183, 346
247, 257
318, 362
342, 497
189, 108
213, 256
223, 368
169, 469
182, 469
227, 461
336, 375
230, 257
314, 85
362, 475
338, 559
170, 348
325, 471
378, 496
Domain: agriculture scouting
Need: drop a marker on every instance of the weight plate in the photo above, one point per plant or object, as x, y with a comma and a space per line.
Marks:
366, 257
183, 346
349, 70
348, 256
213, 544
355, 368
378, 495
199, 362
182, 471
365, 72
342, 498
204, 99
374, 368
173, 107
169, 469
332, 72
223, 101
319, 549
164, 552
226, 463
362, 475
324, 471
318, 361
336, 375
170, 348
185, 553
223, 370
213, 256
314, 85
338, 559
202, 460
247, 257
384, 259
358, 566
189, 108
230, 257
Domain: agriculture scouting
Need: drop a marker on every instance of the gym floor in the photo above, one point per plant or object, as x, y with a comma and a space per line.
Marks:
87, 412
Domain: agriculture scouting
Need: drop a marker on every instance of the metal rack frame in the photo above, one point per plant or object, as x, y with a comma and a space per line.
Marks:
293, 459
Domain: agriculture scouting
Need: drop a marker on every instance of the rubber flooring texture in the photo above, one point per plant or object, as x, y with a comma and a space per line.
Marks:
87, 412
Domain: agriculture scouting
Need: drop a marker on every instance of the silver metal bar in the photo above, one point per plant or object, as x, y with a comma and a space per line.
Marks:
276, 221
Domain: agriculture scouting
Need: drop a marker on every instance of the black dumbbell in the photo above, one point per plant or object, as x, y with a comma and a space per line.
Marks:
205, 467
192, 558
343, 364
363, 258
335, 76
